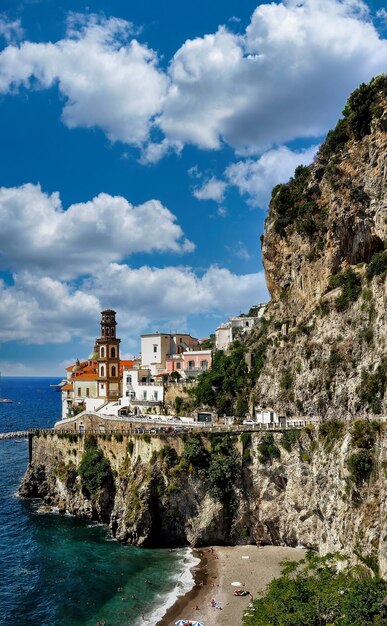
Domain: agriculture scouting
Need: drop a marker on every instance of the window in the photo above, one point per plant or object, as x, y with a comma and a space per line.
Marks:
178, 365
155, 395
79, 391
144, 395
103, 332
128, 380
87, 392
112, 332
154, 348
108, 332
113, 353
113, 370
204, 365
102, 352
102, 371
191, 364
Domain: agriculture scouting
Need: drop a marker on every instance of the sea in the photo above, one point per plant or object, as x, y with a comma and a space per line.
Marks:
57, 570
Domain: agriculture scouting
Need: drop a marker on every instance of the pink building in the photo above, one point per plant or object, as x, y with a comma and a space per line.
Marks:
190, 363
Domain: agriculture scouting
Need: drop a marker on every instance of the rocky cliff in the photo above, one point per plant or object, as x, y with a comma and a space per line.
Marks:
325, 265
325, 489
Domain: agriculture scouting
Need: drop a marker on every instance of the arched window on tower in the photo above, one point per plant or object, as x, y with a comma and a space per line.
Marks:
112, 333
102, 352
102, 371
113, 353
113, 370
103, 332
108, 332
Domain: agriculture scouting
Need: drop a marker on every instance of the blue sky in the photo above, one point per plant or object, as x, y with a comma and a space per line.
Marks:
140, 143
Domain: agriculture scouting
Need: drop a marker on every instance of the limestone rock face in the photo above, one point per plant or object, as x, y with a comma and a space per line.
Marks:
332, 216
305, 497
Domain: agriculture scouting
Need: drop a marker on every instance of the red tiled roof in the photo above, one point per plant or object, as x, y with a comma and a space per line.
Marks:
67, 387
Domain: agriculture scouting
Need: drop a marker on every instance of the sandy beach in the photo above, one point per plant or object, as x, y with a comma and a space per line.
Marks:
251, 566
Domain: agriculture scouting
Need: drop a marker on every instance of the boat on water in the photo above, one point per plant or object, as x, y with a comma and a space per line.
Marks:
4, 400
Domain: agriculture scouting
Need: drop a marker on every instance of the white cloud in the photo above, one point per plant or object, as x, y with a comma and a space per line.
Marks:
176, 292
257, 177
288, 76
239, 250
107, 81
222, 211
36, 232
10, 30
45, 310
212, 189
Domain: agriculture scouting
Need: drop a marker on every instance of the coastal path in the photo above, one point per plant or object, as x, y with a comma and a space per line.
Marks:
17, 434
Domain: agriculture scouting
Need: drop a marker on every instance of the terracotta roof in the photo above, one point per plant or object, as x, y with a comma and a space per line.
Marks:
67, 387
85, 376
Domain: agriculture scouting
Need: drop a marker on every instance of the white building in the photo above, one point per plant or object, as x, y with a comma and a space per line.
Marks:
156, 347
235, 327
140, 391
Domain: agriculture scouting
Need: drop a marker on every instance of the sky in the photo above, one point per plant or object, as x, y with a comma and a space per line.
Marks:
140, 141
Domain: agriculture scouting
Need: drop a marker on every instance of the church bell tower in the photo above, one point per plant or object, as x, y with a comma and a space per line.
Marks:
108, 347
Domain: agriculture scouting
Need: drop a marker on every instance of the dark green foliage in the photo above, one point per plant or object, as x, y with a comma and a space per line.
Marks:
295, 204
90, 442
245, 439
71, 437
130, 447
364, 434
225, 382
224, 468
94, 469
146, 437
360, 106
289, 438
118, 437
195, 453
377, 265
314, 593
351, 287
169, 457
286, 381
219, 469
267, 449
331, 431
360, 466
373, 386
178, 404
175, 376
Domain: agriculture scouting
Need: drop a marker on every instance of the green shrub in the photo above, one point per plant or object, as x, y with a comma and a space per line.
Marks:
195, 453
267, 449
331, 431
95, 471
224, 468
350, 283
373, 386
317, 592
178, 404
286, 380
377, 265
364, 434
169, 456
246, 456
118, 437
146, 437
289, 438
130, 447
360, 465
245, 439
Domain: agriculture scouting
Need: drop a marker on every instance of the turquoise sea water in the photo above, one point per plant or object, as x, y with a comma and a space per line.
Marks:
57, 570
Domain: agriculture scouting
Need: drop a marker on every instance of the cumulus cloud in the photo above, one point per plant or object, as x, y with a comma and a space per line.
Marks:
106, 80
212, 189
45, 310
36, 232
286, 77
176, 292
10, 30
257, 177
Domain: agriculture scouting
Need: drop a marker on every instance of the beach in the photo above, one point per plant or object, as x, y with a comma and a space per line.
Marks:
254, 567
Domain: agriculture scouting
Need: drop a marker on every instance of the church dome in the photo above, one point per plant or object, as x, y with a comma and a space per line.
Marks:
93, 356
76, 367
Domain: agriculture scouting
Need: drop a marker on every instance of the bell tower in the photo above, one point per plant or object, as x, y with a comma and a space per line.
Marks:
108, 348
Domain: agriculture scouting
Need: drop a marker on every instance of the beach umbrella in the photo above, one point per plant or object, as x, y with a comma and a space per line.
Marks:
236, 584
